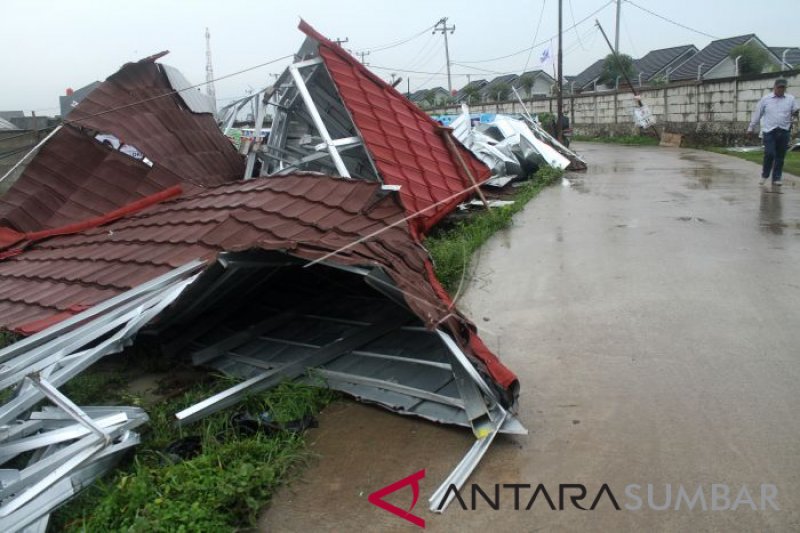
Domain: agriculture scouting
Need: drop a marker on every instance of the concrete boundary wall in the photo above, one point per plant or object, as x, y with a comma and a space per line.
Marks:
705, 112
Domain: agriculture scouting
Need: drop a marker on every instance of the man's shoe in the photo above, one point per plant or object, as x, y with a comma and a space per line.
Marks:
778, 182
763, 181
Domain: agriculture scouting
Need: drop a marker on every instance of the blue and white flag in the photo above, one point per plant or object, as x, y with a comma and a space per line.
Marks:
546, 57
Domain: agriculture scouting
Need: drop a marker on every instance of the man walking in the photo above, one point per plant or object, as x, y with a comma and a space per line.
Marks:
776, 109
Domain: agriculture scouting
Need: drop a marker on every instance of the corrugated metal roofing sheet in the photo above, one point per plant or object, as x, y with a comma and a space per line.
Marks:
404, 141
154, 119
304, 215
75, 177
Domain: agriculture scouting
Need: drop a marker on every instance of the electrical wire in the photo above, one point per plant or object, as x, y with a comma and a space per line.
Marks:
630, 40
434, 51
419, 86
670, 20
170, 93
395, 44
17, 151
572, 12
535, 35
413, 62
518, 52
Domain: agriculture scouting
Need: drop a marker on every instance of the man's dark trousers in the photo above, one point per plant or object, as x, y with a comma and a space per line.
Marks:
776, 143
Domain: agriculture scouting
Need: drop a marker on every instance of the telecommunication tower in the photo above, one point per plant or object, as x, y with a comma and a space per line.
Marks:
209, 70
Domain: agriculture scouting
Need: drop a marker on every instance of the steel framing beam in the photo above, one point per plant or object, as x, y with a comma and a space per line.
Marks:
289, 370
317, 118
390, 386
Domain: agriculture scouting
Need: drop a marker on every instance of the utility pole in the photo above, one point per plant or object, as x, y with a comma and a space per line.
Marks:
559, 81
340, 41
616, 37
210, 71
624, 74
444, 29
362, 54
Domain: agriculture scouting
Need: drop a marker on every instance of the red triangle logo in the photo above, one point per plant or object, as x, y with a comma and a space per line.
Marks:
376, 498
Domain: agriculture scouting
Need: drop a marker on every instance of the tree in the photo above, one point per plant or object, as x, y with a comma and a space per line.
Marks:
526, 83
753, 60
501, 91
471, 93
611, 69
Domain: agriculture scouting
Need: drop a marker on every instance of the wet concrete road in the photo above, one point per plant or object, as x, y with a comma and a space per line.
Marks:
652, 313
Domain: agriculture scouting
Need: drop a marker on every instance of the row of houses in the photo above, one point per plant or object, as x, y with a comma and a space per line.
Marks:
678, 63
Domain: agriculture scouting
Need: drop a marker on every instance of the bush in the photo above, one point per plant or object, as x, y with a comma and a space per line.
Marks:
753, 60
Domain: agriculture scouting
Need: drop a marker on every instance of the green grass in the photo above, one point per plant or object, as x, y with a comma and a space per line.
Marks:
221, 489
791, 164
638, 140
452, 248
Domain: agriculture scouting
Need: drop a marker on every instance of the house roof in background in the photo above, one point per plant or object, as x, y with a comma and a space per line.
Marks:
709, 57
6, 125
538, 73
508, 79
8, 115
656, 61
792, 55
71, 101
589, 75
477, 84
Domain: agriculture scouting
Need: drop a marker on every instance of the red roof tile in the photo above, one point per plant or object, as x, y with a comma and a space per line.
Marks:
404, 142
53, 276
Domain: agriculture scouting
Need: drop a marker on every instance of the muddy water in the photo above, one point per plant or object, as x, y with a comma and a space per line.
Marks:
650, 309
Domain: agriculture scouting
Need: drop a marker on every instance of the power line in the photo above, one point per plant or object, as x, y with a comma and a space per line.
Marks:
419, 86
535, 35
12, 153
630, 40
170, 93
518, 52
670, 20
426, 53
572, 12
572, 46
394, 44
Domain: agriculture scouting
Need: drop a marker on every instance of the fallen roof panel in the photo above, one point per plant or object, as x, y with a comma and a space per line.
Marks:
405, 143
288, 213
74, 176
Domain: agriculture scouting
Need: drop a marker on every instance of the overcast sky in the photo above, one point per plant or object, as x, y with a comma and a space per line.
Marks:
48, 46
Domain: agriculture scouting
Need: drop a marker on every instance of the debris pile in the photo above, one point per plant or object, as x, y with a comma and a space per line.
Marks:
511, 147
301, 260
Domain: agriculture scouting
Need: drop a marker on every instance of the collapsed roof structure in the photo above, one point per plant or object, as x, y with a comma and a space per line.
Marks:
299, 275
333, 115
